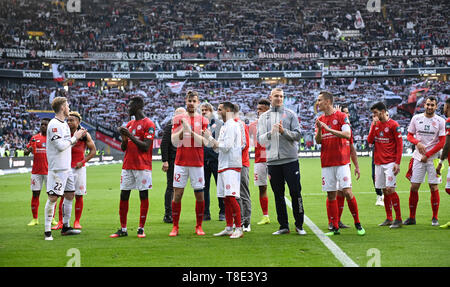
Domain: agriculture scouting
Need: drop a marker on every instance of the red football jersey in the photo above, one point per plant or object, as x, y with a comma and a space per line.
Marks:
260, 151
78, 151
335, 151
38, 144
388, 142
136, 159
190, 153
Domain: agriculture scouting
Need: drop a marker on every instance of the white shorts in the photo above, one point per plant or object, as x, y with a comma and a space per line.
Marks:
447, 185
229, 184
182, 173
59, 181
260, 173
136, 179
336, 178
37, 181
384, 175
419, 169
79, 178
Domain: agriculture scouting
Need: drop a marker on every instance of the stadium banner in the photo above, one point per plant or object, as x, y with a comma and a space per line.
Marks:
147, 56
248, 75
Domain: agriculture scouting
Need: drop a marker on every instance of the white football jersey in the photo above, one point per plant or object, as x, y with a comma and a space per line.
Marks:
230, 145
427, 131
59, 152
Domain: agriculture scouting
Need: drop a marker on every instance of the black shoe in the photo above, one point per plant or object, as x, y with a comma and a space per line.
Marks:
67, 230
206, 217
409, 221
168, 219
342, 225
221, 217
119, 233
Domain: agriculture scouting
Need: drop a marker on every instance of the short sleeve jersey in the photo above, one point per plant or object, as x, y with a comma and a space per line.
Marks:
189, 152
78, 151
386, 134
136, 159
335, 151
38, 143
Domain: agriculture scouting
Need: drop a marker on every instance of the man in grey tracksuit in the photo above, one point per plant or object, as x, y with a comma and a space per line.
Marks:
279, 132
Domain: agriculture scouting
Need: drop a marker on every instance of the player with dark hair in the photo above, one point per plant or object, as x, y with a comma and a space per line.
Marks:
137, 142
79, 161
229, 146
427, 132
39, 171
387, 139
187, 136
260, 172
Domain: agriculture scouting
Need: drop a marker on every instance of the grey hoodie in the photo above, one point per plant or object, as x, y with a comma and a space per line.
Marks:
280, 148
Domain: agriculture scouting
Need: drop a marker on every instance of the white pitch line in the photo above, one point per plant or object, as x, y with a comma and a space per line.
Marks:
337, 252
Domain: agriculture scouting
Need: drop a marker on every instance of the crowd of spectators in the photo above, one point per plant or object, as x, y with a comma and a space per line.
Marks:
108, 107
201, 27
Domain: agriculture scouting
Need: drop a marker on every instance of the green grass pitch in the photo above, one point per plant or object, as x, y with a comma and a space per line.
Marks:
409, 246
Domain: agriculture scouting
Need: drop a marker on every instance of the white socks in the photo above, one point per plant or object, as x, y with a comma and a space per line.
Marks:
67, 211
49, 211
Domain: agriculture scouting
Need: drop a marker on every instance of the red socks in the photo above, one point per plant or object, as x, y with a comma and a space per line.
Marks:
333, 212
228, 213
388, 206
435, 199
176, 210
143, 212
264, 202
353, 206
78, 207
199, 211
123, 212
413, 199
396, 205
234, 208
35, 206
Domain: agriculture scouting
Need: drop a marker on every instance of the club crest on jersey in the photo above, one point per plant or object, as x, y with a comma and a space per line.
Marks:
139, 127
386, 130
335, 122
54, 130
